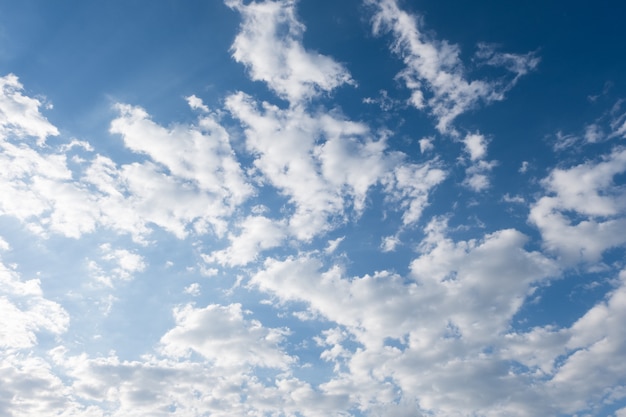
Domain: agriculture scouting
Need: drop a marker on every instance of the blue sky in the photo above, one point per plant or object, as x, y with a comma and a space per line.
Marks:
304, 208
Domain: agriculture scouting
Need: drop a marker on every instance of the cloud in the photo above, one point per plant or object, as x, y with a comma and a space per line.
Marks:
193, 289
122, 265
433, 70
333, 245
595, 354
477, 177
269, 44
19, 115
200, 154
222, 335
582, 215
258, 233
321, 162
426, 144
194, 175
381, 306
389, 243
409, 185
407, 350
26, 312
477, 174
476, 146
156, 386
196, 103
580, 362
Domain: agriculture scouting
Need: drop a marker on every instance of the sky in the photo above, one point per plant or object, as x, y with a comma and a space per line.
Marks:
312, 208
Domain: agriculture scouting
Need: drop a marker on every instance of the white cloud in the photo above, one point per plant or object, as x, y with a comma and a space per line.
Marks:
477, 175
593, 133
269, 44
381, 306
410, 185
477, 288
426, 144
523, 168
258, 233
193, 289
161, 387
120, 265
26, 312
333, 245
201, 154
476, 146
31, 388
434, 72
581, 362
518, 199
389, 243
196, 103
19, 114
194, 182
518, 64
588, 191
321, 162
222, 335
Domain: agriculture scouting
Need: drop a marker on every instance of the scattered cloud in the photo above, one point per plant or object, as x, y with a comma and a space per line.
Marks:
270, 45
582, 214
433, 69
347, 276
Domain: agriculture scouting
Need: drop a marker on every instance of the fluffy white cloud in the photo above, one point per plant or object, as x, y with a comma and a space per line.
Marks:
192, 182
200, 154
20, 115
476, 146
580, 366
588, 191
258, 233
321, 162
26, 312
409, 186
222, 335
477, 175
121, 264
464, 279
325, 165
269, 44
31, 388
434, 72
477, 288
153, 386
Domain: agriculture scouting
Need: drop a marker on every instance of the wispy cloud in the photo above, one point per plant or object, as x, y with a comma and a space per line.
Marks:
434, 71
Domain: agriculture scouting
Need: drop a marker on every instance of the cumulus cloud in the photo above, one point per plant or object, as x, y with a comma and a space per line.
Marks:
26, 312
409, 185
588, 191
270, 45
222, 335
477, 286
200, 154
258, 233
191, 183
20, 115
477, 174
120, 265
322, 163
